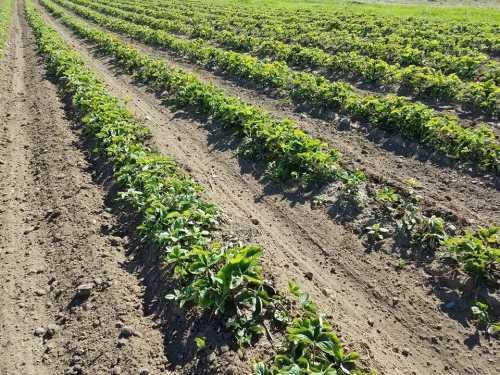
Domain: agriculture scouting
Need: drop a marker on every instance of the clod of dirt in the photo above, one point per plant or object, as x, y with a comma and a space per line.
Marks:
40, 331
309, 275
371, 322
211, 357
127, 332
75, 370
83, 291
143, 371
344, 124
40, 292
121, 342
254, 221
51, 330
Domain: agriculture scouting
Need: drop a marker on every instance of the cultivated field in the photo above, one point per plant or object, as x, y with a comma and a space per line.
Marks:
263, 187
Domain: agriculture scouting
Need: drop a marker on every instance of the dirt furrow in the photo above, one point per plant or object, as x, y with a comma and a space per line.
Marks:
22, 265
68, 300
375, 307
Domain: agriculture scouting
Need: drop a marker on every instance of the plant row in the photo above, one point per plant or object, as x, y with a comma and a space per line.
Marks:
475, 253
414, 120
425, 233
5, 16
290, 152
225, 280
447, 37
418, 81
468, 64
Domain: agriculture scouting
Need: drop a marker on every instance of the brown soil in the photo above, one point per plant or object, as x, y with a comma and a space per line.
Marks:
401, 322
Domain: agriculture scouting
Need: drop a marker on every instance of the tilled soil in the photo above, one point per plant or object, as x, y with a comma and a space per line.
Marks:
57, 235
395, 319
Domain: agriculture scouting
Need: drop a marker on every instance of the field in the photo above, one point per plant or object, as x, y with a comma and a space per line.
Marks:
261, 187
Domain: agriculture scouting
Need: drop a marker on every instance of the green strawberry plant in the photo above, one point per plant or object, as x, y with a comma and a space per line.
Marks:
476, 253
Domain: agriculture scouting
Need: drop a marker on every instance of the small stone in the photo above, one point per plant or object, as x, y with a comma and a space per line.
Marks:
126, 332
241, 354
211, 357
114, 241
40, 331
121, 342
143, 371
309, 275
51, 330
254, 221
371, 322
405, 352
224, 349
49, 347
84, 290
116, 370
344, 124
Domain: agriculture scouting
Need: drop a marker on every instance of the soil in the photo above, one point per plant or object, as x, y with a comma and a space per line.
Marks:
59, 209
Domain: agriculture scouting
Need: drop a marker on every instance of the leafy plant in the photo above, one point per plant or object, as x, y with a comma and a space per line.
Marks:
312, 347
376, 232
480, 314
477, 254
429, 232
415, 120
387, 194
200, 342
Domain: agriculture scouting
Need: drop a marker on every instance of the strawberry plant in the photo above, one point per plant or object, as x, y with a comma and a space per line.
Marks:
483, 320
476, 253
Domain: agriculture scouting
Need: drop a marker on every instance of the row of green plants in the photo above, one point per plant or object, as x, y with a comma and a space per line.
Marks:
224, 279
5, 16
425, 232
473, 253
447, 37
414, 120
289, 152
469, 65
422, 82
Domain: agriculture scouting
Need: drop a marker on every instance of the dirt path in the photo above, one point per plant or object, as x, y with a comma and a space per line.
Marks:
56, 234
392, 318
